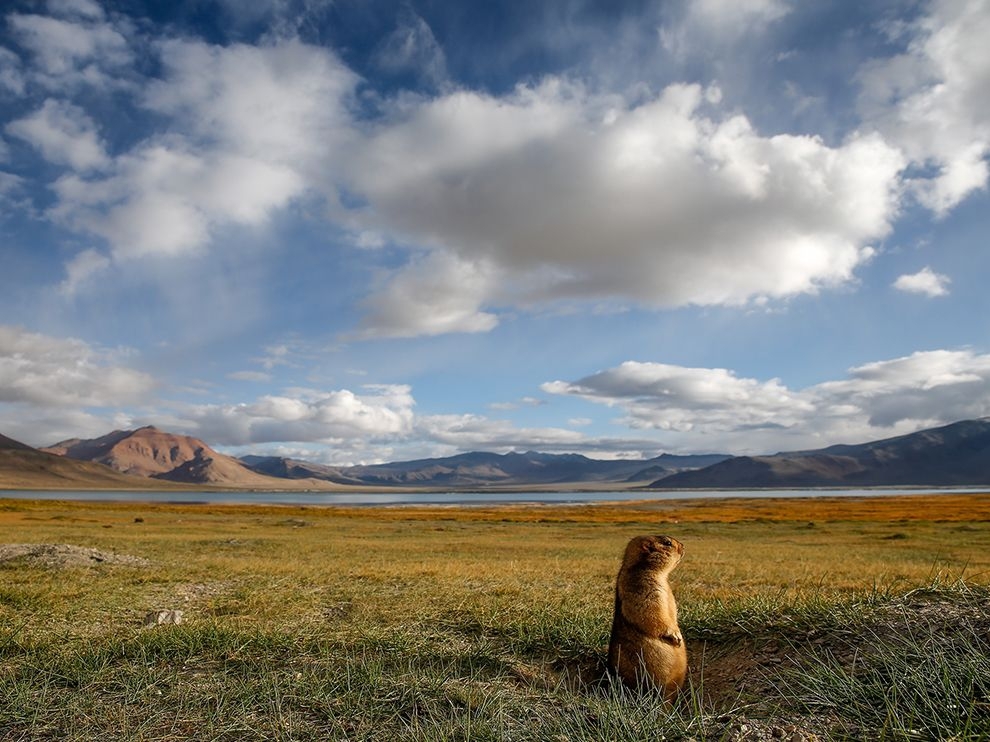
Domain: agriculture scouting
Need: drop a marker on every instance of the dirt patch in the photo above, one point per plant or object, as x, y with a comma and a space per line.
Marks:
62, 556
199, 593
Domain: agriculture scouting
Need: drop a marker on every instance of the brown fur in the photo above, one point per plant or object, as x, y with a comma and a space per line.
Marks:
646, 648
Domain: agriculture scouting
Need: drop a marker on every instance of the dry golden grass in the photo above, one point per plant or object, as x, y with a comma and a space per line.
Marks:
435, 623
379, 566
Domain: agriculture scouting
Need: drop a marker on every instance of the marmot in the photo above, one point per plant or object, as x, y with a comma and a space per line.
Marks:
646, 648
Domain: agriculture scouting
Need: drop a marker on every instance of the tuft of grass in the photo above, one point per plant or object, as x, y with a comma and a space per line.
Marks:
917, 673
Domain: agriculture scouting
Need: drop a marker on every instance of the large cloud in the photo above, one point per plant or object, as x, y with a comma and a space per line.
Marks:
254, 126
53, 372
570, 195
667, 397
750, 416
924, 388
934, 99
381, 412
555, 191
551, 192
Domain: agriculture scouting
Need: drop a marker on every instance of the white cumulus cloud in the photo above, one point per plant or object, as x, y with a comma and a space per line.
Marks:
741, 415
933, 100
926, 281
566, 195
380, 412
924, 388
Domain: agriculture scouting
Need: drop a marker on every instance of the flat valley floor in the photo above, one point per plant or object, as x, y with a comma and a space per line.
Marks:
806, 618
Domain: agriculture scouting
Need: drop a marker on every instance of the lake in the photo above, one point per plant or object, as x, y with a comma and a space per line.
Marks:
454, 498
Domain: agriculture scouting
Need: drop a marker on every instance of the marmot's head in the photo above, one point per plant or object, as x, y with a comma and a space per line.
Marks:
660, 553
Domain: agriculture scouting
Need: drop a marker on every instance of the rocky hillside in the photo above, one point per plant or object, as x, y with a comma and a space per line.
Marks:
956, 454
24, 467
150, 452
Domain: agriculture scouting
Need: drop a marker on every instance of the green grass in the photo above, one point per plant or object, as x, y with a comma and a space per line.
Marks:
882, 677
916, 675
445, 625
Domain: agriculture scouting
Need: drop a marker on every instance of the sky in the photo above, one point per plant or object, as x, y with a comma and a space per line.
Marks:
355, 231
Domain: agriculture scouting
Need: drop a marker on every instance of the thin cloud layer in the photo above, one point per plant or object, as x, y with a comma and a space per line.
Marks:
43, 371
437, 295
251, 129
705, 23
78, 50
749, 416
64, 135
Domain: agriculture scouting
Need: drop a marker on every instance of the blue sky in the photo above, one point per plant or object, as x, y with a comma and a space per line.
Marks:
364, 231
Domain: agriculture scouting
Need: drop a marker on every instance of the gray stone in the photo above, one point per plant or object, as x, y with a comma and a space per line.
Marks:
163, 618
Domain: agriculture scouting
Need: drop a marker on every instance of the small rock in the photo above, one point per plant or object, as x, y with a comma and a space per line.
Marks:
163, 618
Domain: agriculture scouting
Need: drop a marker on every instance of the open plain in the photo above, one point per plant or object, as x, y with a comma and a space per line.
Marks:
814, 618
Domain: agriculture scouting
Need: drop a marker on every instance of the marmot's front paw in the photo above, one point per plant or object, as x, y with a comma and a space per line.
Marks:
675, 639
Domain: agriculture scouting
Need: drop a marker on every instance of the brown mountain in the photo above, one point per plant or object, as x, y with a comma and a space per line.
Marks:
952, 455
150, 452
9, 444
23, 467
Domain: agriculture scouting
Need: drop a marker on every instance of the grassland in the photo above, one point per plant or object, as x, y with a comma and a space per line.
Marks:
835, 619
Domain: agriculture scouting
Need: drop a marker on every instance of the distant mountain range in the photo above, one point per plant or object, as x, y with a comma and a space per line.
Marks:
151, 453
480, 469
957, 454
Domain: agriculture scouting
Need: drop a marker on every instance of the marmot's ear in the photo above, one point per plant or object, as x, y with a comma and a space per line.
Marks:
646, 547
